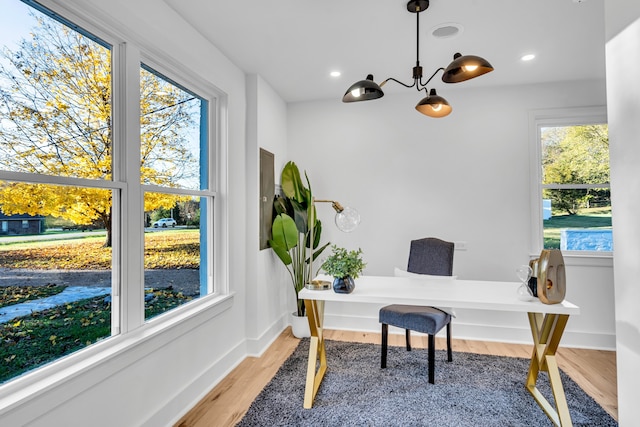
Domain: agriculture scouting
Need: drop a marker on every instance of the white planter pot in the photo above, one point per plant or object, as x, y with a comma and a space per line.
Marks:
299, 326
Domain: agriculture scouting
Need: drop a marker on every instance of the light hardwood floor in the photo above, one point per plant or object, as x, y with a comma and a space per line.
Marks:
226, 404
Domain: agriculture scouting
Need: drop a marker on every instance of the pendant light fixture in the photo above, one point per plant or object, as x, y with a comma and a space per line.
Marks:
461, 68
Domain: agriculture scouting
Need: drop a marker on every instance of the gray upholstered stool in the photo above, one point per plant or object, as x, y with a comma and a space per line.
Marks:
428, 320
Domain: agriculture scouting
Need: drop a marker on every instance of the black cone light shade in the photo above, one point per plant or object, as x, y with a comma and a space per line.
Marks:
434, 105
465, 67
363, 90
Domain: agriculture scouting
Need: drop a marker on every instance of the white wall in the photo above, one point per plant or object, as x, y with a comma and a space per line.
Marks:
461, 178
270, 295
623, 103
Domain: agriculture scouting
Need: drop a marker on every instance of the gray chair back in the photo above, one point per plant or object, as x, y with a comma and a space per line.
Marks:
431, 256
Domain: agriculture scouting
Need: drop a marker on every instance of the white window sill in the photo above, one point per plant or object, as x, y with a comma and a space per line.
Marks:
170, 325
585, 259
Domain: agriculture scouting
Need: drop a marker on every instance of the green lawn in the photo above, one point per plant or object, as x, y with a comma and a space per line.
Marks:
44, 336
585, 218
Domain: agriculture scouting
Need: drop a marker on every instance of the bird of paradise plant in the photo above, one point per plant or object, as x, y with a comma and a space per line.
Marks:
293, 239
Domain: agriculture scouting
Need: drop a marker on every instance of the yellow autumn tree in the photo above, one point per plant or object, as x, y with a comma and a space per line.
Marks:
56, 119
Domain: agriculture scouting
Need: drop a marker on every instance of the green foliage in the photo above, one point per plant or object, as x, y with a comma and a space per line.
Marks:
160, 213
285, 237
44, 336
342, 263
576, 155
584, 218
188, 212
292, 237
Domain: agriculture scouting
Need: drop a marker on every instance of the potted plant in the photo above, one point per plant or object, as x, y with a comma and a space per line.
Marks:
292, 238
344, 266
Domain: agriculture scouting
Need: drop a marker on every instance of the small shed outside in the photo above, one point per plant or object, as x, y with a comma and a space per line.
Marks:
12, 225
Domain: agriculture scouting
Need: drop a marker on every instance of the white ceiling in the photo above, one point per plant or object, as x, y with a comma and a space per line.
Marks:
294, 44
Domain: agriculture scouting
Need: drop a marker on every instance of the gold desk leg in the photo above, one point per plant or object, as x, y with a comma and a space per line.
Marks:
317, 365
547, 331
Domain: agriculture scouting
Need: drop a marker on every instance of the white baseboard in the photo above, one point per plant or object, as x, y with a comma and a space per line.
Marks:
257, 346
195, 391
519, 334
185, 399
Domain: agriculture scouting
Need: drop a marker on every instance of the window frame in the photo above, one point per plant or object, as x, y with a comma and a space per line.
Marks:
215, 172
129, 328
539, 119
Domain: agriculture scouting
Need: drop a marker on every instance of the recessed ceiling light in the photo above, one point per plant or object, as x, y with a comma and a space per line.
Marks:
335, 74
446, 30
528, 57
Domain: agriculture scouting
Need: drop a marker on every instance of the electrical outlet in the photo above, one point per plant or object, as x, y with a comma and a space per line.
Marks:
460, 246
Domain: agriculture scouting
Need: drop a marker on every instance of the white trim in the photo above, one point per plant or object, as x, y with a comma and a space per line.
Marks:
575, 186
132, 229
178, 191
60, 180
143, 341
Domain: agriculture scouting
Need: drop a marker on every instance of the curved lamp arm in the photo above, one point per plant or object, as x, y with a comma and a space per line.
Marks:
417, 79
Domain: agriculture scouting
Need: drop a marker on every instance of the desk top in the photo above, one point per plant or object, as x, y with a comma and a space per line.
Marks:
439, 292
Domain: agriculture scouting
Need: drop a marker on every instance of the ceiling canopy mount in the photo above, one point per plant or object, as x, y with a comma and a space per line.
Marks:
417, 6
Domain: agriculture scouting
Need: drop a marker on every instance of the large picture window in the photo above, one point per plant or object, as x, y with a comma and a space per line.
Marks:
81, 215
573, 183
56, 255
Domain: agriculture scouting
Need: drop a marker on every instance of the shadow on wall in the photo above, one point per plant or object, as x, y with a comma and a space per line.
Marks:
628, 335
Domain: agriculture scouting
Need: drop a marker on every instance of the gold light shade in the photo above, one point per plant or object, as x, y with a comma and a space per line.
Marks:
434, 105
465, 67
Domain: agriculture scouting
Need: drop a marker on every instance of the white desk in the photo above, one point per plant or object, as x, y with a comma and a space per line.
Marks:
547, 323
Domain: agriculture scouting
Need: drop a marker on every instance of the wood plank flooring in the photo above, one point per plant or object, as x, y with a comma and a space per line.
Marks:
226, 404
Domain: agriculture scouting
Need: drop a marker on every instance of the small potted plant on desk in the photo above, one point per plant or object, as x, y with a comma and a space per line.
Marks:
344, 266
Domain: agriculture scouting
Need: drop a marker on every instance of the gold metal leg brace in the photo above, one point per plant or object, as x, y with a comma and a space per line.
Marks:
547, 331
317, 364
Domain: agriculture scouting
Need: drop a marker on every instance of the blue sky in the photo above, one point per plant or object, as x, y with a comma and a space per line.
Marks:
15, 22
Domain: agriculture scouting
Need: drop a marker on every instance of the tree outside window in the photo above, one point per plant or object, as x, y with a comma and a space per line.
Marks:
575, 182
56, 162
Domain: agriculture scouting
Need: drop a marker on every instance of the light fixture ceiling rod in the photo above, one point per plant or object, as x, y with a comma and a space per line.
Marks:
418, 41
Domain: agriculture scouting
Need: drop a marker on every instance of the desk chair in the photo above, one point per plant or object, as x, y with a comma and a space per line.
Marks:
426, 256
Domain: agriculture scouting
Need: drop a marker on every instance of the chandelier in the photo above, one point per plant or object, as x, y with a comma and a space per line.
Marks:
433, 105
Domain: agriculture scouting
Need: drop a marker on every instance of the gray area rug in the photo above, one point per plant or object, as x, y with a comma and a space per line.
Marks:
473, 390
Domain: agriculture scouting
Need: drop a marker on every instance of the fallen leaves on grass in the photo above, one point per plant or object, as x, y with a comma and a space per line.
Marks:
163, 250
10, 295
172, 250
31, 341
